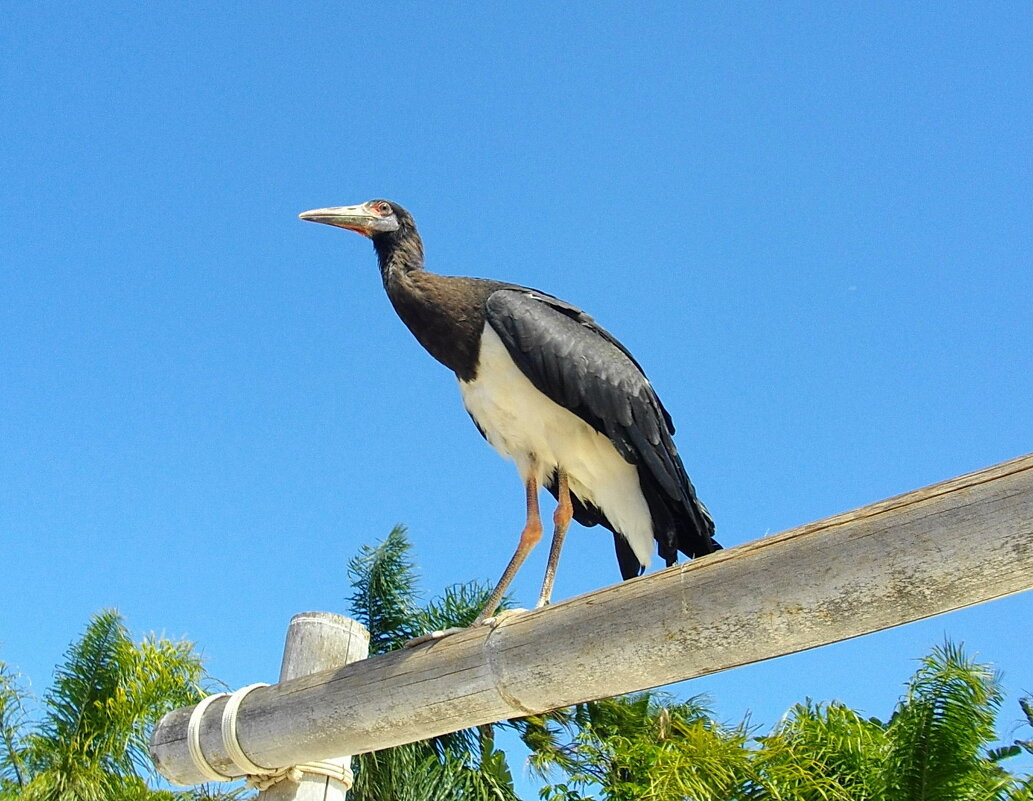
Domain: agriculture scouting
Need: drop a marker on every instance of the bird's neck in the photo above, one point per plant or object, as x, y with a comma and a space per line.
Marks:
399, 254
445, 313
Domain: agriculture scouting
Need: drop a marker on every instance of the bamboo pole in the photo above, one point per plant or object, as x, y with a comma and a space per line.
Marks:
944, 547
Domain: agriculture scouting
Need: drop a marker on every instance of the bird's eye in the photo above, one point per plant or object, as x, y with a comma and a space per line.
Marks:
383, 208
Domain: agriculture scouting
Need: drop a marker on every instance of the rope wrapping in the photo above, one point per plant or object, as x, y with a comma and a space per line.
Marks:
203, 766
296, 773
258, 776
229, 734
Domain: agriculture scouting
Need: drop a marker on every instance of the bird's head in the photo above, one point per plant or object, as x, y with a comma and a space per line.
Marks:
373, 218
395, 239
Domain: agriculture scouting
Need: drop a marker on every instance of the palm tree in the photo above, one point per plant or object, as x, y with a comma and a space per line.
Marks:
940, 734
465, 765
1024, 792
937, 745
820, 751
90, 742
13, 770
643, 746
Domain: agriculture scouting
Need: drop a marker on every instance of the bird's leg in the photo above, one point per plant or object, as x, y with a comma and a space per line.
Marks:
561, 521
529, 537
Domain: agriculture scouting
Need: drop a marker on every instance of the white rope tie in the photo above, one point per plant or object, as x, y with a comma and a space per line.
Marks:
258, 776
229, 734
264, 781
340, 773
203, 766
332, 770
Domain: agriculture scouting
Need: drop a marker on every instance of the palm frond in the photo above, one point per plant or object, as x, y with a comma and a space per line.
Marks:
457, 606
1021, 791
415, 772
92, 742
941, 728
78, 723
13, 771
1026, 704
821, 751
384, 595
702, 762
641, 746
159, 675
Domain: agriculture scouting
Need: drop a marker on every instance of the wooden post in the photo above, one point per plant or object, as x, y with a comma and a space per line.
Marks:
318, 641
947, 546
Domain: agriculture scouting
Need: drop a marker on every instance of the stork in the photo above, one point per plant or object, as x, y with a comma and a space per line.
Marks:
552, 390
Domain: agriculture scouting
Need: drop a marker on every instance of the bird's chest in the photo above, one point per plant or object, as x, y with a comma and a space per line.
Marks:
517, 419
445, 314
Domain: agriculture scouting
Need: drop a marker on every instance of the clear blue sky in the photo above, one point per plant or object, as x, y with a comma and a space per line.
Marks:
811, 224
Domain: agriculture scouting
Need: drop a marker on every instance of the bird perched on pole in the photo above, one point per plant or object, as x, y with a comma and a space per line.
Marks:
552, 390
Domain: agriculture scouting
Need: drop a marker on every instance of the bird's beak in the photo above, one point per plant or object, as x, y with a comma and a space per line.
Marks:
354, 218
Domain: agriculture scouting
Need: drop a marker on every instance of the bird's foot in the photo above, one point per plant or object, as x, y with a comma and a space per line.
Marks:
432, 636
492, 622
496, 620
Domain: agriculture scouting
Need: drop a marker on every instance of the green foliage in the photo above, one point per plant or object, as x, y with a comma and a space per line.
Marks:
414, 773
384, 595
1026, 705
90, 743
937, 745
13, 771
104, 696
458, 605
643, 746
821, 752
940, 731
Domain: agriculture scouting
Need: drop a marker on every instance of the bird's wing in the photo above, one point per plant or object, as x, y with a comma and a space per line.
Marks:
582, 367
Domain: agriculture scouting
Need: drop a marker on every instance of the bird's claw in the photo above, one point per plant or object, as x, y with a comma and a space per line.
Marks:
431, 636
492, 622
496, 620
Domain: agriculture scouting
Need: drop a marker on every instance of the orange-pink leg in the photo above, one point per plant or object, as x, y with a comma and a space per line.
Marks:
529, 537
561, 522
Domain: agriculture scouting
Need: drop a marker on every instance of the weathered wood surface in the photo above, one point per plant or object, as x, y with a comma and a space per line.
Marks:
318, 641
951, 545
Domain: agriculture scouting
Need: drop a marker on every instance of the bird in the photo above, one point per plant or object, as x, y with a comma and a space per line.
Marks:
552, 390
